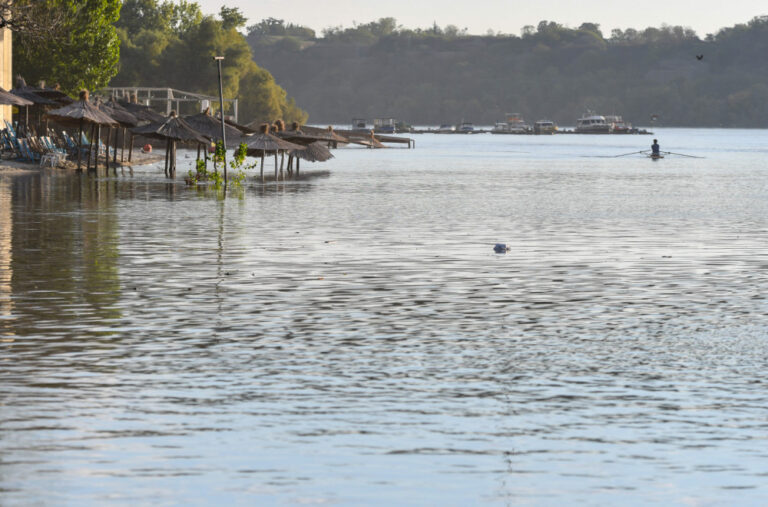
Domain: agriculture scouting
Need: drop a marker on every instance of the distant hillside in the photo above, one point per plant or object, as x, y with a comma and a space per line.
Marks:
441, 75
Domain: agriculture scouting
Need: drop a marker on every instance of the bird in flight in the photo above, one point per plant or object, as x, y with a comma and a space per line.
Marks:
699, 57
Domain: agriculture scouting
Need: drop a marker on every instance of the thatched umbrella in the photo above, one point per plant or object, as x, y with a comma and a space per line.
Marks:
142, 112
124, 118
306, 135
210, 126
55, 94
79, 113
264, 142
313, 152
173, 130
38, 101
9, 99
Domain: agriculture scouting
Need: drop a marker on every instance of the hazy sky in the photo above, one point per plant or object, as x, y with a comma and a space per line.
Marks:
508, 16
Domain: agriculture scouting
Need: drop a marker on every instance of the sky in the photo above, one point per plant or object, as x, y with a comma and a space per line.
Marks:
506, 16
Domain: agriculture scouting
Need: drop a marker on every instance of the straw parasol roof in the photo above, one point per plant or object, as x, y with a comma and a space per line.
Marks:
313, 152
266, 142
314, 133
174, 129
142, 112
211, 127
9, 99
41, 96
119, 113
81, 110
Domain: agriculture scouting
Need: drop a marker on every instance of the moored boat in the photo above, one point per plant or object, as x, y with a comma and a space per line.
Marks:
466, 128
544, 127
514, 125
592, 124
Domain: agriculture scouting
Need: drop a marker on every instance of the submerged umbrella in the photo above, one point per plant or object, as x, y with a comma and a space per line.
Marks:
173, 130
264, 142
79, 113
211, 127
313, 152
142, 112
124, 118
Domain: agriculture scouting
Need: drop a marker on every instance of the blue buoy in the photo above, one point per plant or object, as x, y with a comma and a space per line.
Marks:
500, 248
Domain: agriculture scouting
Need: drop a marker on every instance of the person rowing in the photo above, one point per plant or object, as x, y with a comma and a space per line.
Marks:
655, 149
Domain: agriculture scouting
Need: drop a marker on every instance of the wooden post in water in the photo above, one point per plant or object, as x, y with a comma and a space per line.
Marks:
80, 146
275, 165
167, 153
114, 154
122, 150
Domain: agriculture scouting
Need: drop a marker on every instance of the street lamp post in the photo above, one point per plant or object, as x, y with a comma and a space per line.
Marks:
221, 109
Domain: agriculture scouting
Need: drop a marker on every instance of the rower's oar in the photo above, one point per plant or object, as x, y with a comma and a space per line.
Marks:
625, 154
615, 156
681, 154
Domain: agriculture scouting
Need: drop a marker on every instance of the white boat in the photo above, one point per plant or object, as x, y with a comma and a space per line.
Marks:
514, 125
543, 127
466, 127
447, 129
618, 126
592, 124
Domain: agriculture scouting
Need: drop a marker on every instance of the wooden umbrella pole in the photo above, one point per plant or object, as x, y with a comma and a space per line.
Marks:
282, 161
80, 146
167, 149
275, 166
262, 166
90, 148
130, 149
298, 161
114, 154
173, 159
122, 149
98, 148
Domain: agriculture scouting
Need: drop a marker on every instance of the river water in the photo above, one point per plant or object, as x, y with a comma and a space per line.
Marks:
352, 339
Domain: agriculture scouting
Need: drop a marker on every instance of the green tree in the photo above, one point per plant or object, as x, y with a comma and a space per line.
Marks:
84, 55
231, 17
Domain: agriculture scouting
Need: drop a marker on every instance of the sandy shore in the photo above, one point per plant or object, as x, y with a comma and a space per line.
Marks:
21, 167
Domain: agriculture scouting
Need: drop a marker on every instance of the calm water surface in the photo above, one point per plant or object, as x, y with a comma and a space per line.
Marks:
352, 339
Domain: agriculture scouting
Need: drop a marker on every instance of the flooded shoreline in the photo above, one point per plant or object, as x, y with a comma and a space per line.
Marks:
354, 339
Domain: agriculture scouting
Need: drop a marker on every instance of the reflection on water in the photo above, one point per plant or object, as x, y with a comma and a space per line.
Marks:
353, 338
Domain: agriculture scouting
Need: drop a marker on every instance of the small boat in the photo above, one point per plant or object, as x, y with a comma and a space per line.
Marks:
543, 127
655, 156
447, 128
592, 124
384, 125
514, 125
618, 126
466, 128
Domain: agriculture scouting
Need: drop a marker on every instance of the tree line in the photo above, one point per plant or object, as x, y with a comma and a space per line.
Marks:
155, 43
443, 75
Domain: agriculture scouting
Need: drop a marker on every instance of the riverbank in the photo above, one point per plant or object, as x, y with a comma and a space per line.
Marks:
11, 166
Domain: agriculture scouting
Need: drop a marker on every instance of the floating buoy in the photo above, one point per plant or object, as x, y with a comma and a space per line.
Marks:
500, 248
147, 148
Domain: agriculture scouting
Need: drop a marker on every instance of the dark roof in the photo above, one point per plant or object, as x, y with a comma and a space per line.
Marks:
8, 98
81, 110
313, 152
211, 127
173, 128
265, 142
119, 113
142, 112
